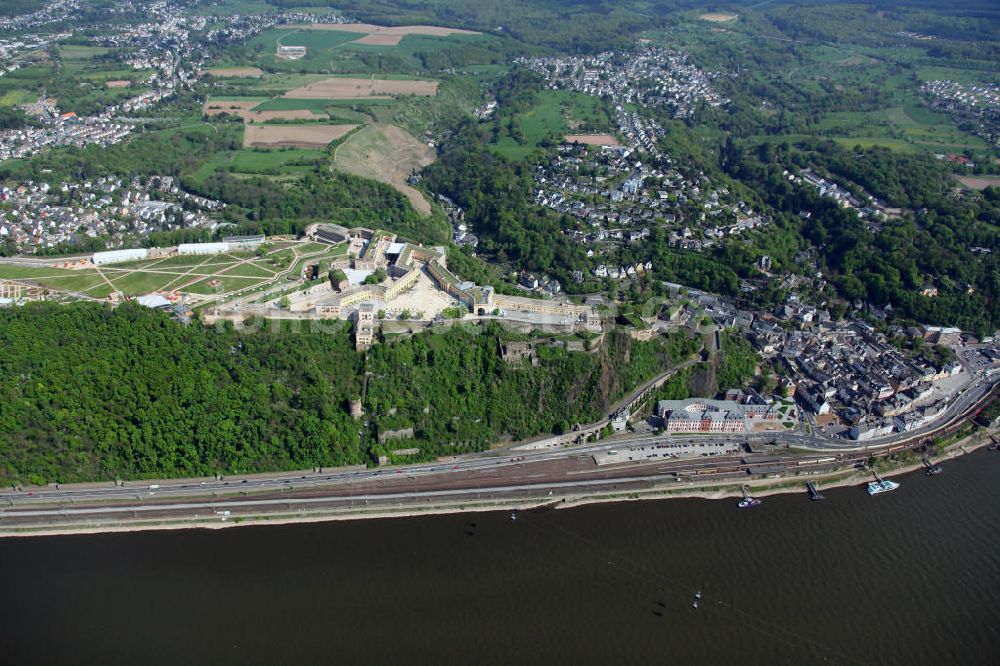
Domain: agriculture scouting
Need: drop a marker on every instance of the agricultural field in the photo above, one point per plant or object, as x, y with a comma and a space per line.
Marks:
26, 82
315, 106
821, 80
15, 97
345, 99
313, 135
233, 107
592, 139
350, 47
979, 182
907, 128
379, 35
388, 154
718, 17
249, 110
81, 52
367, 88
235, 72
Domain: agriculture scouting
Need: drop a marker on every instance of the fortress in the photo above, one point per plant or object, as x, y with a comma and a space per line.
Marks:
417, 280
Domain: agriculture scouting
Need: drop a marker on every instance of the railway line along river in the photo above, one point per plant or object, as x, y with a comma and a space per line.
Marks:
907, 577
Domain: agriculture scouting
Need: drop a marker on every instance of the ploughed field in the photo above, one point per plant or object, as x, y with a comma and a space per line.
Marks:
238, 72
295, 136
358, 88
592, 139
378, 35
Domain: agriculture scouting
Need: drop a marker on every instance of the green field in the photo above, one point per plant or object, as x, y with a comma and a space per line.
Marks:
973, 76
265, 162
320, 46
287, 104
142, 282
16, 272
908, 127
337, 51
25, 79
226, 284
551, 116
15, 97
86, 280
867, 142
188, 274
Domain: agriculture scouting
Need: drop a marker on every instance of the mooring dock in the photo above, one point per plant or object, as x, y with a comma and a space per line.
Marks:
931, 468
814, 494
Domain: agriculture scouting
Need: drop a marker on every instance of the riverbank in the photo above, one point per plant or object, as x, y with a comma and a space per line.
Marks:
661, 490
781, 485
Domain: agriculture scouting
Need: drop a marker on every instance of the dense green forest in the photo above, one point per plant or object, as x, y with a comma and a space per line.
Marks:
95, 393
12, 118
496, 194
89, 392
930, 244
456, 388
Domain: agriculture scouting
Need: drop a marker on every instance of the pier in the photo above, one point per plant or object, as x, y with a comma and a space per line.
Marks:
930, 468
814, 494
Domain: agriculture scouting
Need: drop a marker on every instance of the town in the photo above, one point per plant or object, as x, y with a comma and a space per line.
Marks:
39, 217
971, 106
648, 77
618, 199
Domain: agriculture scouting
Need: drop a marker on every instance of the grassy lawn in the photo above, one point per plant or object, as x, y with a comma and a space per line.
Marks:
251, 270
337, 51
920, 127
141, 282
10, 271
320, 46
14, 97
78, 52
317, 106
103, 75
275, 162
86, 283
85, 280
311, 248
226, 284
544, 119
556, 112
141, 277
957, 75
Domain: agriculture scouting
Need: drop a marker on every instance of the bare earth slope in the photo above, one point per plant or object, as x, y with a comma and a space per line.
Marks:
388, 154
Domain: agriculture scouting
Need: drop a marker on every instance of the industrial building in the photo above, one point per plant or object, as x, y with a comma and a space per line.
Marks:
119, 256
246, 243
202, 248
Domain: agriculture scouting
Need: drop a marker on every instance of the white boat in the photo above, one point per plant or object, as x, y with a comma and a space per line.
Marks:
876, 487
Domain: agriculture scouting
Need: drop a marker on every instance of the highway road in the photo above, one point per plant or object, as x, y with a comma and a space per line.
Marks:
488, 475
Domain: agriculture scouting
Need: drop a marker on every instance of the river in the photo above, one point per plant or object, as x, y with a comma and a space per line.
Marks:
908, 577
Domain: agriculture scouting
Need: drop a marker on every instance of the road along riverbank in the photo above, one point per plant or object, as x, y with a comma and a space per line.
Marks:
221, 513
